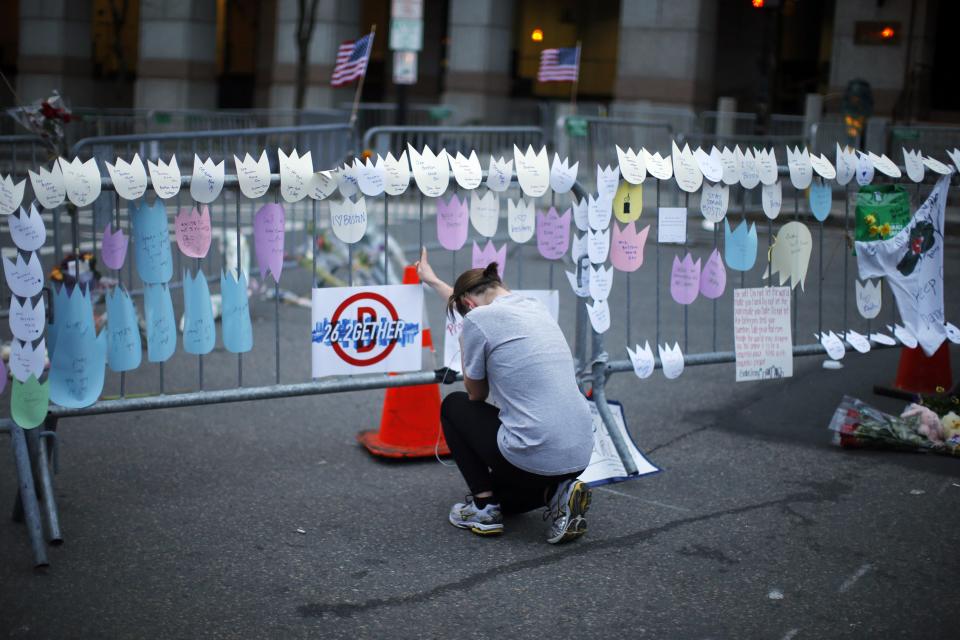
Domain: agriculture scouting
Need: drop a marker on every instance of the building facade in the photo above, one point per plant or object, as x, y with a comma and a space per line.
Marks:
481, 56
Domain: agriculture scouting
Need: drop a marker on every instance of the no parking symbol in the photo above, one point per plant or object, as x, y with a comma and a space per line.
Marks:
366, 329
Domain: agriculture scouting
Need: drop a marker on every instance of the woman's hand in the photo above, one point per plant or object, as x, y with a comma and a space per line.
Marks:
428, 277
424, 270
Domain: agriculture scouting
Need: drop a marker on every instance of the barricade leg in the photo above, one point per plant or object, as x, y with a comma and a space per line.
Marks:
28, 496
41, 467
600, 399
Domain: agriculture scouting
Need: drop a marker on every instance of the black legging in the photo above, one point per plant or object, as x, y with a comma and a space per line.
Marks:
470, 428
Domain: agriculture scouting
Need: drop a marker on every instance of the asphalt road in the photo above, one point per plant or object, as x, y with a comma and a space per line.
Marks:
184, 524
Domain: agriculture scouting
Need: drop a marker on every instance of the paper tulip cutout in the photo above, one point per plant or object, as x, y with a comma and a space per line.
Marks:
81, 180
24, 277
235, 317
500, 174
129, 178
124, 350
193, 232
520, 220
599, 314
29, 402
396, 174
26, 360
78, 367
27, 230
161, 326
452, 223
199, 332
671, 360
296, 173
165, 178
713, 278
642, 360
253, 176
562, 175
348, 219
466, 171
269, 226
626, 247
869, 298
731, 161
48, 186
485, 213
483, 257
685, 279
790, 254
207, 181
27, 320
151, 241
821, 199
431, 172
740, 246
533, 170
553, 233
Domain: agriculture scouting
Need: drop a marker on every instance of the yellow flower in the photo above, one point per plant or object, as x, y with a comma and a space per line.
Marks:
874, 230
885, 229
870, 219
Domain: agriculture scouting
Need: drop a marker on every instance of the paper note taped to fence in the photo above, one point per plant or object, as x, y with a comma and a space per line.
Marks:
761, 333
605, 465
366, 329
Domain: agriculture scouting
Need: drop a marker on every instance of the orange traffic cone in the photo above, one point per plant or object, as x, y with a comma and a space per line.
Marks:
410, 423
919, 374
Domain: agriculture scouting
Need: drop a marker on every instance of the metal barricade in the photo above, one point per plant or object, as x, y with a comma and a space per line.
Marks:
381, 114
165, 385
592, 140
664, 323
496, 141
20, 153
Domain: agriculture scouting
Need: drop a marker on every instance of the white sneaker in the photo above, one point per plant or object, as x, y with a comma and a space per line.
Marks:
567, 507
483, 522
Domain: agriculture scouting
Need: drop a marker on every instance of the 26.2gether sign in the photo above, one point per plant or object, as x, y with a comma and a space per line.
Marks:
366, 329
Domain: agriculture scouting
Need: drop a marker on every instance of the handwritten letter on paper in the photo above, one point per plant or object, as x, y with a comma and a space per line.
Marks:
761, 333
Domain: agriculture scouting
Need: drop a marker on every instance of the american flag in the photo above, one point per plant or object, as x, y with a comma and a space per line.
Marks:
352, 58
559, 65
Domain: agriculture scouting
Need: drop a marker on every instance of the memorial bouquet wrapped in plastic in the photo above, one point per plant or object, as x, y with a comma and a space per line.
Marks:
46, 119
933, 427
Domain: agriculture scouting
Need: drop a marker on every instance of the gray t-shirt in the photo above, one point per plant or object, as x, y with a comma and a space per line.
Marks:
515, 343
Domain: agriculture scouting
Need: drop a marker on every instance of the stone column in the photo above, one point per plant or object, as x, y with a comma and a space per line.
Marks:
478, 71
55, 51
177, 66
336, 22
665, 52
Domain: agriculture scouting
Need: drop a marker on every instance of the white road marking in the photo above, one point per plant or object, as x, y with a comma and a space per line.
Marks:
653, 502
790, 634
849, 582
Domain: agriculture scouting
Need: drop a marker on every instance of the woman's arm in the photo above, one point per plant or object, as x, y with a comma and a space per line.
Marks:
477, 390
429, 278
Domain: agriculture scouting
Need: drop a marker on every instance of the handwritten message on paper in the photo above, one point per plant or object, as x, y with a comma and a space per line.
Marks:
761, 331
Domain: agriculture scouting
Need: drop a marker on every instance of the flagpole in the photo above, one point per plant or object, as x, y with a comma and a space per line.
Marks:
356, 96
573, 90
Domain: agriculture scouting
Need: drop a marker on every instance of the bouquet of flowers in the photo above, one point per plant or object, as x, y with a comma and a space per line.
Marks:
46, 119
856, 424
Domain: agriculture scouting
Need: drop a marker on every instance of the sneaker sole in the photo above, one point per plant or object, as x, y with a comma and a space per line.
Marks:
478, 528
578, 504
